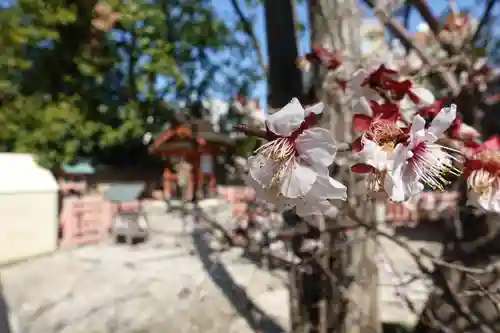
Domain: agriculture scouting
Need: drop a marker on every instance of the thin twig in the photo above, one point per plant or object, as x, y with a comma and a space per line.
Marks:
251, 131
259, 133
485, 18
247, 27
402, 34
434, 25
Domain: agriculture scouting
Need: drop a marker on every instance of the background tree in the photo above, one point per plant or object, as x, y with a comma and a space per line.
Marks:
81, 78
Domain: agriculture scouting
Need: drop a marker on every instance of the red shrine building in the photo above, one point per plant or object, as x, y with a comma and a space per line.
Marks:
193, 142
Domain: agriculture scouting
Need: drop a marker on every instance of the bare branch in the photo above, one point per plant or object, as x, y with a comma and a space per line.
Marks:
406, 20
464, 310
433, 23
259, 133
251, 131
400, 32
247, 26
485, 18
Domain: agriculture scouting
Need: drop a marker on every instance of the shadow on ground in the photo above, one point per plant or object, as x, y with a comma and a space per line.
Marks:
257, 319
4, 314
431, 231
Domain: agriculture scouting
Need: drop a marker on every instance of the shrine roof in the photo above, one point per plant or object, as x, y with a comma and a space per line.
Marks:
82, 167
181, 138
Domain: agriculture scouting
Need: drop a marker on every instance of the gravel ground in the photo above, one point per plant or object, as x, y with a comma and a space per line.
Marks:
172, 283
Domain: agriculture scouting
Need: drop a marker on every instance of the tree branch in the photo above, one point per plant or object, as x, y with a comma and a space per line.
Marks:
484, 19
433, 23
247, 26
400, 32
406, 20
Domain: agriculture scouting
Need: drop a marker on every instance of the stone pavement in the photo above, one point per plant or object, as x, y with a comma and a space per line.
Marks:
172, 283
400, 276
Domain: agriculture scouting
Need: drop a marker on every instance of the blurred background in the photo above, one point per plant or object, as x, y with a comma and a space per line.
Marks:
116, 133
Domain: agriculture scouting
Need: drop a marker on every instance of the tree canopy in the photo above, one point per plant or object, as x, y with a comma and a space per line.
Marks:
81, 78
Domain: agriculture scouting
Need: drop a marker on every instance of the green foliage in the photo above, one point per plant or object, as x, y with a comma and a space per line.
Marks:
247, 146
68, 89
479, 52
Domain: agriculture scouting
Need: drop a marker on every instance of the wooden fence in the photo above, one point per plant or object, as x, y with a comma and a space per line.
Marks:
430, 206
87, 219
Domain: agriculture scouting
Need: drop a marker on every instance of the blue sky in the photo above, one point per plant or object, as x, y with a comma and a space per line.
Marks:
225, 10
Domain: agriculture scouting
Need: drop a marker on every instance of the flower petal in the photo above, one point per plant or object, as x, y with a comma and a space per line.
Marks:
486, 202
493, 142
393, 183
357, 78
362, 106
424, 95
298, 181
317, 147
308, 208
413, 186
418, 124
286, 120
316, 108
466, 132
417, 132
357, 145
259, 190
282, 204
407, 109
473, 146
372, 154
336, 190
394, 187
326, 187
405, 180
361, 122
442, 121
261, 169
402, 185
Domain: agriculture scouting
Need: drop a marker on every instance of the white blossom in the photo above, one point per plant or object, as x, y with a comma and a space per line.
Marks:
360, 94
289, 164
315, 202
423, 161
483, 191
409, 109
380, 160
482, 171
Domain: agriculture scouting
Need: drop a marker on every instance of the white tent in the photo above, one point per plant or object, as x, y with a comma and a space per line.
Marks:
28, 208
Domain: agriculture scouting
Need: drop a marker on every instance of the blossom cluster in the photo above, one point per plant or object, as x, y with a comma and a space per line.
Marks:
482, 171
292, 169
401, 149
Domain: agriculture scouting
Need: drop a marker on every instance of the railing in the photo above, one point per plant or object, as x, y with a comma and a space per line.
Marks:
238, 196
430, 207
87, 219
84, 220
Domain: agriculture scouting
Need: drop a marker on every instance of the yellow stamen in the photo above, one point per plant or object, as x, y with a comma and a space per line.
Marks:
282, 152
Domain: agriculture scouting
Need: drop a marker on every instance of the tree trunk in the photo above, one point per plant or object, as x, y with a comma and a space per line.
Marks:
335, 24
319, 291
284, 78
285, 83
